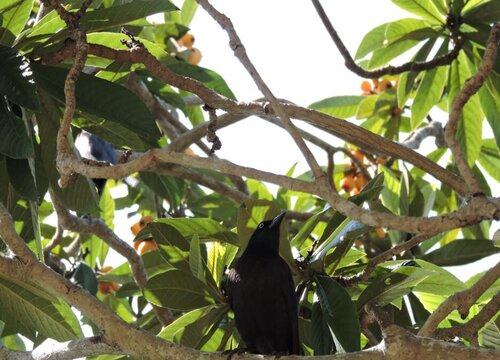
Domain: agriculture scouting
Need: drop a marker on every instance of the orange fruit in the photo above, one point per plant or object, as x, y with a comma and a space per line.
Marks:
366, 86
140, 224
359, 155
347, 183
106, 287
194, 56
186, 40
384, 85
380, 232
354, 191
147, 246
360, 181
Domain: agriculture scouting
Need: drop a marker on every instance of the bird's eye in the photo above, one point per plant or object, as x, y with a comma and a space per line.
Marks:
261, 225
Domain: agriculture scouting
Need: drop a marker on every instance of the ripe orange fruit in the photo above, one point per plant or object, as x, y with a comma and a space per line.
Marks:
106, 287
360, 181
354, 191
186, 40
359, 155
146, 246
140, 224
380, 232
194, 56
366, 86
384, 85
347, 183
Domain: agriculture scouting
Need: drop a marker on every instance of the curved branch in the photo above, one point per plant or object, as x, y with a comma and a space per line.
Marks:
470, 87
388, 70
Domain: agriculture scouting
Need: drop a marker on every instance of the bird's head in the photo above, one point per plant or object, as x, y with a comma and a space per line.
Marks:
267, 234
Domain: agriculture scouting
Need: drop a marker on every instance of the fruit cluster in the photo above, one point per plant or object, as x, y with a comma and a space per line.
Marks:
190, 54
376, 86
146, 245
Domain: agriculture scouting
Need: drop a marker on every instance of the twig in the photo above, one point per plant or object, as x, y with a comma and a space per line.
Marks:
470, 87
461, 301
388, 70
240, 52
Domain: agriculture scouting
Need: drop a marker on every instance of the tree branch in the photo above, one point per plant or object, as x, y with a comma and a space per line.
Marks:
388, 70
461, 301
470, 87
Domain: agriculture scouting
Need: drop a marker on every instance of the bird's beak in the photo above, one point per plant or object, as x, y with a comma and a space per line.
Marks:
277, 220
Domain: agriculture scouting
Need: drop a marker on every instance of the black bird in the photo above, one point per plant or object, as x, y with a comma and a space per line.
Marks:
93, 147
262, 296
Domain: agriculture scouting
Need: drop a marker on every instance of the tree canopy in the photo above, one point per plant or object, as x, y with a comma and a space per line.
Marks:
370, 226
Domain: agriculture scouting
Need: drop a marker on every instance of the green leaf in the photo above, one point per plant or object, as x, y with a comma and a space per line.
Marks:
81, 196
424, 8
338, 106
21, 179
167, 187
32, 308
102, 98
373, 40
484, 11
207, 77
489, 97
469, 130
195, 259
187, 11
92, 21
340, 312
389, 287
489, 158
85, 277
177, 290
390, 193
460, 252
407, 79
190, 329
207, 229
13, 17
408, 28
220, 256
15, 140
16, 81
382, 56
307, 228
321, 338
429, 91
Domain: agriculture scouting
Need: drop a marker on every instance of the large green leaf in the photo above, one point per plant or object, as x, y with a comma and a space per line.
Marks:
460, 252
16, 81
81, 196
408, 28
388, 287
178, 290
489, 158
31, 308
382, 56
102, 98
339, 106
21, 179
307, 228
429, 91
340, 312
208, 77
485, 11
15, 140
373, 40
469, 130
424, 8
191, 328
321, 338
13, 17
489, 97
207, 229
97, 20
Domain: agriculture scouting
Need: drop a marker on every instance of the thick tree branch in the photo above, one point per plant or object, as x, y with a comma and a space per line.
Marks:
92, 346
470, 87
388, 70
